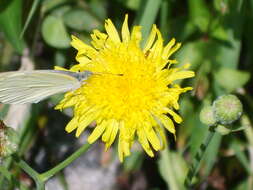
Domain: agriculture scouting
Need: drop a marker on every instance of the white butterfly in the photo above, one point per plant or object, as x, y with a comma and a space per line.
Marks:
20, 87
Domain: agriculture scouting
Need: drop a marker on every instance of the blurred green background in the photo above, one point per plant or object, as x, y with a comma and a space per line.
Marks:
217, 39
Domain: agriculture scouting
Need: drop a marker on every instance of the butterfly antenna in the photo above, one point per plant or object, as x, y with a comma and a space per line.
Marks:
105, 73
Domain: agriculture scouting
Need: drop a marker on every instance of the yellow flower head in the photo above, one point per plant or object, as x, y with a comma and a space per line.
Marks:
131, 92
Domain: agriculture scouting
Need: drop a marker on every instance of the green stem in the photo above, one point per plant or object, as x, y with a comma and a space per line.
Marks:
45, 176
30, 171
248, 131
40, 185
40, 179
194, 168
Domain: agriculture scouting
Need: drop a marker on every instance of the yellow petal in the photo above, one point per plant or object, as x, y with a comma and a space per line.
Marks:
136, 35
60, 68
78, 44
175, 116
108, 131
84, 123
167, 48
112, 137
168, 123
161, 133
98, 39
181, 75
157, 48
152, 137
126, 148
113, 134
174, 49
120, 150
83, 63
151, 39
97, 132
70, 102
111, 31
72, 125
125, 30
144, 142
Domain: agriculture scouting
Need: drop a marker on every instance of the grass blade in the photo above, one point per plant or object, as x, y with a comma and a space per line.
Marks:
30, 15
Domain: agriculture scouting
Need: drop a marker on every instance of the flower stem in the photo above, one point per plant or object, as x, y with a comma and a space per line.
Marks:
40, 185
30, 171
46, 175
40, 179
194, 168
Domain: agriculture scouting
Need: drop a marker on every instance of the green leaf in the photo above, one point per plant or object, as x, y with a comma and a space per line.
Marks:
217, 30
212, 153
146, 17
48, 5
200, 131
10, 22
222, 54
182, 28
199, 14
232, 23
231, 79
61, 11
60, 58
99, 9
79, 19
54, 32
134, 161
221, 5
173, 168
236, 146
193, 53
133, 4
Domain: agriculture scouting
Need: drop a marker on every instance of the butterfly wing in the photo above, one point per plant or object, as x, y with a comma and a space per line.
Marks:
20, 87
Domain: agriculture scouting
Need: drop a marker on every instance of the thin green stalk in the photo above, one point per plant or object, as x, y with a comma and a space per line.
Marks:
30, 171
245, 122
30, 15
40, 185
45, 176
194, 168
40, 179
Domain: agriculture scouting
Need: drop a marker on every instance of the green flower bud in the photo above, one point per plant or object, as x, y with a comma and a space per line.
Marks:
227, 109
207, 116
8, 140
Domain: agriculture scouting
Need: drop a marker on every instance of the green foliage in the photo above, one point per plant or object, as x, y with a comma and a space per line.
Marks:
79, 20
172, 167
216, 40
10, 22
231, 79
54, 32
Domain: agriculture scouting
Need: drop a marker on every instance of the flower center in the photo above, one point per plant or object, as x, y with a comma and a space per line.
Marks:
125, 95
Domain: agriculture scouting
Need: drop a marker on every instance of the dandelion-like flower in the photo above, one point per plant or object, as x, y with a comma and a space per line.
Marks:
133, 93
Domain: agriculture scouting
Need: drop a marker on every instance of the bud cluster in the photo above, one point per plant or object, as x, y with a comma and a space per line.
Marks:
8, 140
225, 110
